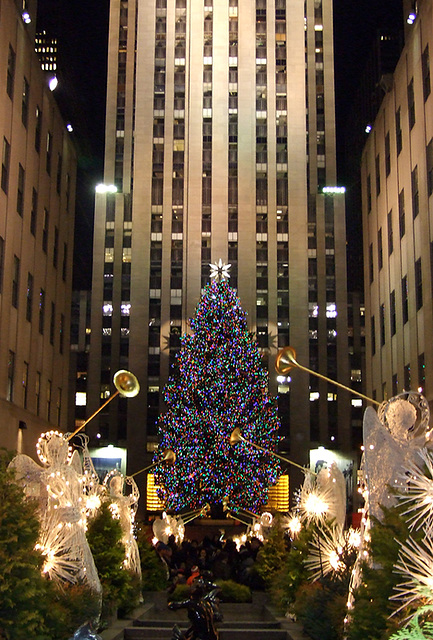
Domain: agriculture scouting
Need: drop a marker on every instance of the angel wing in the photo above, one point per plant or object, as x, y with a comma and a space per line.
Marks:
384, 459
28, 474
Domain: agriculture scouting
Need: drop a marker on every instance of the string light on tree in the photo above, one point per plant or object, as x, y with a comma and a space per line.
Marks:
218, 383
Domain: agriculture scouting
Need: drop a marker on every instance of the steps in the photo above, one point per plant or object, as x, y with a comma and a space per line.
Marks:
241, 622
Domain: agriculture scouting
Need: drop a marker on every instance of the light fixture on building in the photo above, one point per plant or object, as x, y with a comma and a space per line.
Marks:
26, 17
333, 190
105, 188
69, 127
52, 83
368, 128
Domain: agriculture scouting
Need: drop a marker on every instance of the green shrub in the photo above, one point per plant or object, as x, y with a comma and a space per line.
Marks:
181, 592
153, 569
321, 610
232, 591
23, 591
118, 591
272, 555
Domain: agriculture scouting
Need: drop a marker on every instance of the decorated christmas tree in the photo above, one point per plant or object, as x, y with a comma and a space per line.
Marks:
218, 383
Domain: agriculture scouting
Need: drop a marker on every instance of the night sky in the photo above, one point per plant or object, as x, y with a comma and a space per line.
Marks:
81, 28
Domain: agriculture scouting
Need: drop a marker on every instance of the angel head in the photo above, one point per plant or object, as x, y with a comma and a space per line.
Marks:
115, 482
400, 416
52, 448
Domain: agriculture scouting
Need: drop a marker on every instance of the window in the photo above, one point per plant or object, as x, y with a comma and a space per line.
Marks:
418, 284
38, 392
15, 281
411, 104
25, 102
382, 325
34, 212
5, 165
421, 370
49, 152
379, 249
387, 155
415, 192
398, 132
38, 129
59, 173
2, 262
45, 230
11, 376
401, 214
390, 233
52, 322
49, 391
429, 154
10, 73
392, 312
426, 73
25, 383
56, 247
370, 262
29, 297
20, 190
404, 299
373, 336
41, 310
61, 332
65, 261
368, 194
377, 164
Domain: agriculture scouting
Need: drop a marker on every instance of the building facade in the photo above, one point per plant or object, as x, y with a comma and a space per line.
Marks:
397, 183
220, 135
37, 197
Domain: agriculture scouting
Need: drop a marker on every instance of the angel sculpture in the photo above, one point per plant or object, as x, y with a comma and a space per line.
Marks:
58, 487
124, 508
393, 438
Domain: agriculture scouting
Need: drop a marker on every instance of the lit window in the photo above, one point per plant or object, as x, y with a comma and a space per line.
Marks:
125, 308
356, 402
107, 309
80, 399
314, 395
355, 375
331, 310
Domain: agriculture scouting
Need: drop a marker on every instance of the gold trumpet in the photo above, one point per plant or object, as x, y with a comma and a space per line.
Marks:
127, 386
286, 360
169, 457
236, 437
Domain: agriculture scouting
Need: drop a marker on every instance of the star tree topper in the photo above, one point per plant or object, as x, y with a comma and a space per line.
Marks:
220, 271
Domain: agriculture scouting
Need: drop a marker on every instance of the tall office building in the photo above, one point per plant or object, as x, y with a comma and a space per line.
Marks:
220, 135
397, 184
37, 208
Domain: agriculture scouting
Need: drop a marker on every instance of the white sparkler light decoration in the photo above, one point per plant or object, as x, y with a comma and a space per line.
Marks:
419, 493
329, 551
415, 564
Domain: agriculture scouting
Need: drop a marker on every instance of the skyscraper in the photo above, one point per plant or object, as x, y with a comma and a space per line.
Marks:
37, 211
220, 135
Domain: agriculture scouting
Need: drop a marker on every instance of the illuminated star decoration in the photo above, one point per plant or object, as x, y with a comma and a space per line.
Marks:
331, 552
219, 271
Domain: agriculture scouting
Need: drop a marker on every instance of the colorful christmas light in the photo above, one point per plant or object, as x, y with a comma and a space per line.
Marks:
218, 383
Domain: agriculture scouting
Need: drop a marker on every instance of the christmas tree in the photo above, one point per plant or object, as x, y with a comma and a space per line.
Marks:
218, 383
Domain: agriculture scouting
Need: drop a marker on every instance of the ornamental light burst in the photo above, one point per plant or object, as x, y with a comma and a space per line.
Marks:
415, 564
419, 493
218, 383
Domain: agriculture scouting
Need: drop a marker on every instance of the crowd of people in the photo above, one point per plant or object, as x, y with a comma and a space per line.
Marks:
211, 559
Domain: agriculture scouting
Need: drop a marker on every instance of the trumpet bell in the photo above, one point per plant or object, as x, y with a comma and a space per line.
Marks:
286, 360
235, 436
169, 456
126, 383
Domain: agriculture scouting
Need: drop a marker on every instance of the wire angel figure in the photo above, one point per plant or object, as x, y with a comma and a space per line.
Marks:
393, 437
124, 508
58, 486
